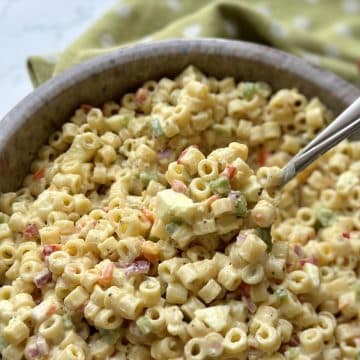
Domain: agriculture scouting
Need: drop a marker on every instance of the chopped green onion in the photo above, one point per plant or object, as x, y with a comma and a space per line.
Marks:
265, 235
325, 216
249, 90
222, 129
110, 336
172, 227
220, 186
241, 206
146, 177
157, 128
144, 325
281, 293
67, 321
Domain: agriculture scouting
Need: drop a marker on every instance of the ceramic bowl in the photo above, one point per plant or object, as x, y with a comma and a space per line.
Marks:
25, 128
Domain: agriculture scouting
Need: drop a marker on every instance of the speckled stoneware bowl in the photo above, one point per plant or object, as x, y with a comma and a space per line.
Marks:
29, 124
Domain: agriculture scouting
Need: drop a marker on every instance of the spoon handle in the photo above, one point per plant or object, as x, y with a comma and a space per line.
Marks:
305, 158
341, 121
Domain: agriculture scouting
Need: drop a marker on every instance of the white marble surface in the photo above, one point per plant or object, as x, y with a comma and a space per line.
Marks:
30, 27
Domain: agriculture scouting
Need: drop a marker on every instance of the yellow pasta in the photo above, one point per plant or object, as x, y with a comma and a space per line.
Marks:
154, 228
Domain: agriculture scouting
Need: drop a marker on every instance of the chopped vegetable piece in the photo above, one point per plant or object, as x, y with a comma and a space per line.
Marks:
298, 251
110, 336
222, 129
157, 128
39, 174
86, 108
240, 238
211, 199
38, 348
43, 310
50, 248
229, 171
141, 95
346, 234
178, 186
137, 267
262, 157
148, 214
106, 275
325, 216
150, 251
294, 340
281, 293
165, 154
240, 203
244, 289
265, 235
220, 186
31, 231
146, 177
171, 227
144, 325
249, 304
312, 260
42, 278
249, 91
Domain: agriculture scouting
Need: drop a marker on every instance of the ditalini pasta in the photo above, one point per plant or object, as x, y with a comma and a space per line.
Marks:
154, 228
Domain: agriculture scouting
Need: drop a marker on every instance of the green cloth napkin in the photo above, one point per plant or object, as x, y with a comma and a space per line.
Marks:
324, 32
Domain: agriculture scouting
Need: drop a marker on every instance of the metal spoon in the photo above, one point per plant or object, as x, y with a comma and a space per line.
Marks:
346, 124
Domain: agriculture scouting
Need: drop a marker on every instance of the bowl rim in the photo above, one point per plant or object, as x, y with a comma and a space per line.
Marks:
283, 61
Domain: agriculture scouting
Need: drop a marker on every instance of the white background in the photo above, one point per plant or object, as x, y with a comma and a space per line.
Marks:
29, 27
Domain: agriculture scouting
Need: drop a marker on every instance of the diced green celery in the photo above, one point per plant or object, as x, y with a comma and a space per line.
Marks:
144, 325
325, 216
146, 177
222, 129
241, 206
265, 235
220, 186
172, 227
110, 336
157, 128
281, 293
249, 90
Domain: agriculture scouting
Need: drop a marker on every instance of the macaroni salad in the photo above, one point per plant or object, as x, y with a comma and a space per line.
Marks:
154, 228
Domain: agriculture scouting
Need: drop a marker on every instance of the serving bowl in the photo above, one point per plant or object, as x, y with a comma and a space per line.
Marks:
25, 128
